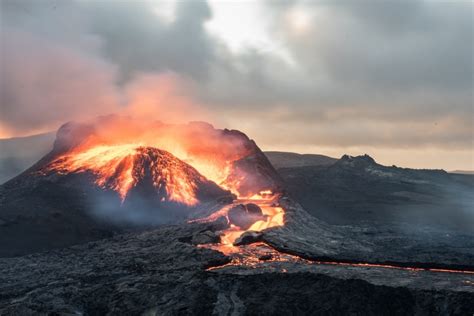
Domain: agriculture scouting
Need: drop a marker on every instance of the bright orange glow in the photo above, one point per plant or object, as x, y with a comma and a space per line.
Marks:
210, 151
256, 254
266, 195
119, 168
274, 217
251, 256
111, 146
104, 162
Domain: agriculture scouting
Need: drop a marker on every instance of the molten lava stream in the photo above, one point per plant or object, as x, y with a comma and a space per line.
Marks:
273, 217
258, 253
120, 167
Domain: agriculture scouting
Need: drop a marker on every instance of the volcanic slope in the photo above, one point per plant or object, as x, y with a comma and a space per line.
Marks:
88, 196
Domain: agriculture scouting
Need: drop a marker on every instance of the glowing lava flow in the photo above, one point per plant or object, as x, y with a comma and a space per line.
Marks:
121, 167
273, 217
255, 254
259, 253
104, 162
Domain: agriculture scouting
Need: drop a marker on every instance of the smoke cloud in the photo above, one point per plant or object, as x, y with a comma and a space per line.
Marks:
339, 75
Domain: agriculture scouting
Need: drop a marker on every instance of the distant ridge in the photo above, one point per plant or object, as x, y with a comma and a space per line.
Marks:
281, 159
462, 172
19, 153
357, 189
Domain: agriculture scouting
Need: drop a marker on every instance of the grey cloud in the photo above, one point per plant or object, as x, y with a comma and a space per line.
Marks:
63, 60
429, 45
44, 84
391, 63
137, 40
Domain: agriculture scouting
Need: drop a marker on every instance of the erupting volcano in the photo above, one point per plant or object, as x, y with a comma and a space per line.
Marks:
228, 159
119, 170
109, 147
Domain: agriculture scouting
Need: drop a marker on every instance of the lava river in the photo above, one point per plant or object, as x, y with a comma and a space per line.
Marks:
273, 216
259, 254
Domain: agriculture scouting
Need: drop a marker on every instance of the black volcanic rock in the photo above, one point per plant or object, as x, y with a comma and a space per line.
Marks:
308, 237
154, 273
355, 190
281, 159
247, 238
356, 161
244, 215
205, 237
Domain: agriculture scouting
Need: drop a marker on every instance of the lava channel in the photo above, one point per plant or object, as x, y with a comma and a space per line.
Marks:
257, 253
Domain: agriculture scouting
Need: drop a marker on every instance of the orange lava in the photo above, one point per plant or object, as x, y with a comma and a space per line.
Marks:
212, 152
120, 167
257, 254
113, 165
274, 217
113, 141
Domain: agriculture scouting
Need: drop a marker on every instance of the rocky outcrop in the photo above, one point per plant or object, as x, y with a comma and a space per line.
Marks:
244, 215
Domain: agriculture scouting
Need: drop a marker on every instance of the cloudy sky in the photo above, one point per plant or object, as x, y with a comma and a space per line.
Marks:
393, 79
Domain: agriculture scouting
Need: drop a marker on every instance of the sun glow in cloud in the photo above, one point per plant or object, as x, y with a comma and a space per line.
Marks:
298, 20
243, 25
238, 23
